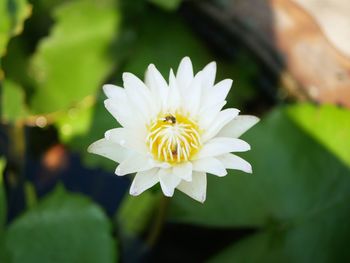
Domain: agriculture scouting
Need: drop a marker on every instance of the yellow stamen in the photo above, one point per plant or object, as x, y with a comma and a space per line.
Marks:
173, 138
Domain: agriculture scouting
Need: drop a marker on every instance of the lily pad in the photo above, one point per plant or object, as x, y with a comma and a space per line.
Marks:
72, 62
62, 228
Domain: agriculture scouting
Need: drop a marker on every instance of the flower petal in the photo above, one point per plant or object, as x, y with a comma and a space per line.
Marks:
231, 161
122, 112
112, 151
168, 181
143, 181
183, 171
113, 91
174, 97
208, 115
197, 188
210, 165
128, 138
222, 119
134, 163
239, 125
157, 84
192, 96
209, 73
184, 74
222, 145
139, 95
217, 93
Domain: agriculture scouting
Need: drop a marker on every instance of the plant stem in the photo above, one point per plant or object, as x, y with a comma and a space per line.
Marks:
157, 226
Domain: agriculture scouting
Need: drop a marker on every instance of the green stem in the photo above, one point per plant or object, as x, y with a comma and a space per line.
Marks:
157, 226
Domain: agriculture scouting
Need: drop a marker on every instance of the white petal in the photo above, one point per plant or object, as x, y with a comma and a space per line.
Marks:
184, 74
122, 111
174, 97
231, 161
207, 116
183, 171
217, 93
110, 150
128, 138
143, 181
197, 188
210, 165
157, 84
222, 119
238, 126
192, 96
138, 94
222, 145
209, 73
168, 181
113, 91
134, 163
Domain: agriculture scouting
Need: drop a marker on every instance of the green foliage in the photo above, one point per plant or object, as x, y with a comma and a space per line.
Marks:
13, 14
298, 194
12, 103
62, 228
296, 169
329, 125
74, 60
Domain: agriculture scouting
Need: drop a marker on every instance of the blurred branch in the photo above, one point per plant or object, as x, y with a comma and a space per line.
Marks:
234, 27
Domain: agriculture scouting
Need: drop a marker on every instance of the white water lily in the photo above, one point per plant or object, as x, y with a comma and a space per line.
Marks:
174, 133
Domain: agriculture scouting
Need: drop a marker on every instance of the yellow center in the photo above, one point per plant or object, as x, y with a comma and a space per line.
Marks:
173, 138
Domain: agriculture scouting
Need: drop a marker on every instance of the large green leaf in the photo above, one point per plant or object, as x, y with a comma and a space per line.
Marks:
62, 228
74, 60
321, 236
292, 175
299, 195
328, 124
12, 13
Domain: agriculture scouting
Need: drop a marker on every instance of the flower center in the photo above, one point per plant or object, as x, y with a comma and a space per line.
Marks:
173, 138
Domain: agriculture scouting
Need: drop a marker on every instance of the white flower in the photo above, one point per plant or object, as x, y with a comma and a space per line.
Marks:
174, 133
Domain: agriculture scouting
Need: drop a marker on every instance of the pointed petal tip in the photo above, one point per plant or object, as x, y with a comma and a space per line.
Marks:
186, 58
133, 191
202, 199
119, 171
90, 148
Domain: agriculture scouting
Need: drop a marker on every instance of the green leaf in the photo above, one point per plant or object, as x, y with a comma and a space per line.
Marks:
74, 60
13, 13
292, 174
328, 124
321, 236
13, 104
167, 4
62, 228
298, 195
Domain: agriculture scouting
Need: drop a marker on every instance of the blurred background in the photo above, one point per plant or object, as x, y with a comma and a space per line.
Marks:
290, 62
